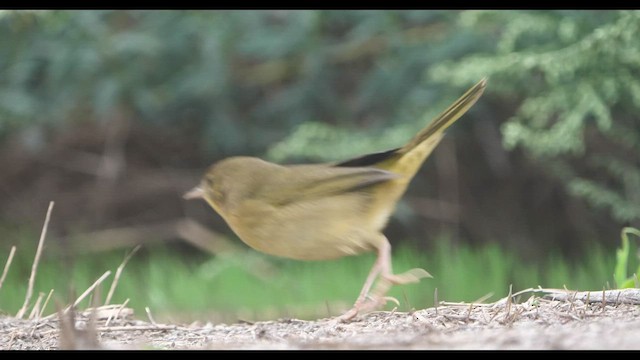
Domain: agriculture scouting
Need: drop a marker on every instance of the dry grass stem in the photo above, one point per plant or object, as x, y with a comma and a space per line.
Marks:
146, 308
526, 291
7, 264
118, 273
617, 296
84, 294
91, 288
137, 327
509, 300
117, 313
465, 304
36, 307
46, 302
435, 299
36, 260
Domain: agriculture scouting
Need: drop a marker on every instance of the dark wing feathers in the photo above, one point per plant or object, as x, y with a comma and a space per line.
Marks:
323, 181
369, 159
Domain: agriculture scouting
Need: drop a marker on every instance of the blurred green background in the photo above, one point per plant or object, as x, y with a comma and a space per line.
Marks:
114, 114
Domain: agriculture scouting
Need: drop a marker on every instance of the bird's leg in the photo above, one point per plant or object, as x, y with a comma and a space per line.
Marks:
382, 267
373, 273
388, 278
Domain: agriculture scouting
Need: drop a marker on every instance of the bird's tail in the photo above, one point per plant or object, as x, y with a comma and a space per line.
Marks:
447, 117
406, 161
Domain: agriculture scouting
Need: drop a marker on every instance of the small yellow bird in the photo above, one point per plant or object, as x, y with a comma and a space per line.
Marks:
329, 210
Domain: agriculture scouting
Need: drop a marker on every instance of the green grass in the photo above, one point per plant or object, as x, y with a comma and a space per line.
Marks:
624, 261
254, 286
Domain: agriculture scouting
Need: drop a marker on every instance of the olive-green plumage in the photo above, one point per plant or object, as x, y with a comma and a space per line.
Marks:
323, 211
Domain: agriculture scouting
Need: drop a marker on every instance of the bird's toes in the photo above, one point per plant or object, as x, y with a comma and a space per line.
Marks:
385, 299
411, 276
349, 315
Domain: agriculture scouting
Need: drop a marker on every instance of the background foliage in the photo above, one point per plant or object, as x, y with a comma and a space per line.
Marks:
114, 113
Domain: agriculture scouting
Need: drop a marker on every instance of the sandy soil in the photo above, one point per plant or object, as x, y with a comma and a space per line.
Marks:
537, 323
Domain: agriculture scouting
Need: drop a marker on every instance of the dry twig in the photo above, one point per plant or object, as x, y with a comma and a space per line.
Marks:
7, 264
91, 288
118, 272
34, 267
36, 307
435, 299
617, 296
138, 327
84, 294
115, 317
46, 302
146, 308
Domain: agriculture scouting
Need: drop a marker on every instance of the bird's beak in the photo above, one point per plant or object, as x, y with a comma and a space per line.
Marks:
194, 193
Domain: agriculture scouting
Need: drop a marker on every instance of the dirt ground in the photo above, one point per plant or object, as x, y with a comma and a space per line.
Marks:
570, 321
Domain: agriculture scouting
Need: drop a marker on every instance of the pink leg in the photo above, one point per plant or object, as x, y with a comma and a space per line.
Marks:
375, 270
382, 267
373, 273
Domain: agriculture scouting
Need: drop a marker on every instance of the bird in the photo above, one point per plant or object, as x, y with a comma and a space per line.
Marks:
323, 211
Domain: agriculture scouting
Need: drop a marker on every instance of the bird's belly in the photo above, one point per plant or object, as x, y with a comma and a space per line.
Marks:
319, 230
311, 245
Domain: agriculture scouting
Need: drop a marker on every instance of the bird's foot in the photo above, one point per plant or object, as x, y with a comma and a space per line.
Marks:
407, 277
378, 297
366, 306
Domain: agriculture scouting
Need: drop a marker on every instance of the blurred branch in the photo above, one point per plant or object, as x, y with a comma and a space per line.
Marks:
124, 237
204, 238
128, 237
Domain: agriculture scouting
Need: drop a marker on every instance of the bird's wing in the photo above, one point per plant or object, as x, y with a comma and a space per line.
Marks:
369, 159
314, 181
